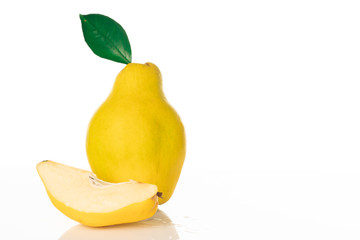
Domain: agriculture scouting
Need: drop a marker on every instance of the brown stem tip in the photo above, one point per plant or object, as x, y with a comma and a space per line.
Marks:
159, 194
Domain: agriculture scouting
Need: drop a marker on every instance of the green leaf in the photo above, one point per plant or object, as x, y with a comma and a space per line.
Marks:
106, 38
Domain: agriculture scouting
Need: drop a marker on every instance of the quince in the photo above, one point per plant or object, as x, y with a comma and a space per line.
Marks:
81, 196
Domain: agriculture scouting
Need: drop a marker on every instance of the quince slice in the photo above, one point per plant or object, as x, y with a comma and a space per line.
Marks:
88, 200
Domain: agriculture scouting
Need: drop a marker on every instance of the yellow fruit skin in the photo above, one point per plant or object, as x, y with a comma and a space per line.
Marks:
136, 134
132, 213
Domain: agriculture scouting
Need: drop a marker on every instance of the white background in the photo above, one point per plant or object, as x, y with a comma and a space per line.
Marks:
268, 92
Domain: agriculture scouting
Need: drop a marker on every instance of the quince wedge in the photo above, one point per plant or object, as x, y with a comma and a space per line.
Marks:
81, 196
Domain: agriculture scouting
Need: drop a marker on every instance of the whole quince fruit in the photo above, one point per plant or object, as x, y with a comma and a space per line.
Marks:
136, 134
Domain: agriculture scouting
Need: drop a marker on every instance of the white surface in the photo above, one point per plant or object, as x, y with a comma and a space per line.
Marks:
268, 92
228, 205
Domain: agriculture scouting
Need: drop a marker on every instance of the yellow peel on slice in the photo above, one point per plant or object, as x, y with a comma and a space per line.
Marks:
82, 197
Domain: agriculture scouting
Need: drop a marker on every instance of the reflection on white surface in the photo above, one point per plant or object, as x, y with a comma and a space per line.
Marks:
158, 227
